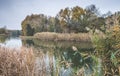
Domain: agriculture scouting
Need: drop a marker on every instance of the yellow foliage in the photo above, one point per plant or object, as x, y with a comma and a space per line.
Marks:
116, 28
116, 36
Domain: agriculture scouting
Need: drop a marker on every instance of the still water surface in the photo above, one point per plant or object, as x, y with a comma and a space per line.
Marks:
13, 42
62, 58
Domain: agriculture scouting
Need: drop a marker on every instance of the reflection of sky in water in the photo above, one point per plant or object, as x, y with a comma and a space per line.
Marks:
12, 43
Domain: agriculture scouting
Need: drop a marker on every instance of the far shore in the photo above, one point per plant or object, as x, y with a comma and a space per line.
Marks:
27, 37
52, 36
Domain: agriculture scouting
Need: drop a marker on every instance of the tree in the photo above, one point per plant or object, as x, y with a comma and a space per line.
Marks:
72, 20
79, 21
94, 19
3, 30
28, 30
38, 22
65, 19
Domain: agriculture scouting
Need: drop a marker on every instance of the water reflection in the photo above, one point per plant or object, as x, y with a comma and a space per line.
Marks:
60, 59
63, 60
10, 42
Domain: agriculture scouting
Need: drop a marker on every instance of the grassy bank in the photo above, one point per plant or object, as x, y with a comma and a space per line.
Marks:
27, 37
63, 36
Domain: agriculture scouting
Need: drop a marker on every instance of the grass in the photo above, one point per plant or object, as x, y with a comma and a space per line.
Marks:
15, 62
23, 62
26, 62
63, 36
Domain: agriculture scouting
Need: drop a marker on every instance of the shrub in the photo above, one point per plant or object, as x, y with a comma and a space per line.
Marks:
109, 46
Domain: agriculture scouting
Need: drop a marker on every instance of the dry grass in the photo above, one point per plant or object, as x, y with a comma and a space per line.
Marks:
63, 36
16, 62
23, 62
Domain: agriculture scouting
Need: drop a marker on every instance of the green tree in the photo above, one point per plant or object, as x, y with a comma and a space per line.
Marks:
72, 20
79, 21
28, 30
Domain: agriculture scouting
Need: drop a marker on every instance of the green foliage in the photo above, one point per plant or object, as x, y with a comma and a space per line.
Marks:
41, 23
110, 48
14, 33
72, 20
68, 20
28, 30
113, 58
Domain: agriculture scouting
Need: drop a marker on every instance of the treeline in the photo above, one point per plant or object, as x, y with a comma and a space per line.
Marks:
3, 30
69, 20
14, 33
6, 32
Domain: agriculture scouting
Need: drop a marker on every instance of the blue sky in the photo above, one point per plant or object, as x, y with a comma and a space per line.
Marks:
13, 12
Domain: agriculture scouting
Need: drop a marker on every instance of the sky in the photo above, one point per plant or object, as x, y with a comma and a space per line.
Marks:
13, 12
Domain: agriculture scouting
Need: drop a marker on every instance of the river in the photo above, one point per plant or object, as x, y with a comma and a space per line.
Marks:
62, 58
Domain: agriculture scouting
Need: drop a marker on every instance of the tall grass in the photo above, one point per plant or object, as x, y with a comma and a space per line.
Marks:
16, 62
24, 62
63, 36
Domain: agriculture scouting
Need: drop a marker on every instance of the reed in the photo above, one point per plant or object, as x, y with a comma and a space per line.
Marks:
63, 36
15, 62
24, 62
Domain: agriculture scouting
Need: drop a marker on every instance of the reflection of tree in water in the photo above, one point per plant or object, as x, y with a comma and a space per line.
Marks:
76, 61
67, 60
27, 42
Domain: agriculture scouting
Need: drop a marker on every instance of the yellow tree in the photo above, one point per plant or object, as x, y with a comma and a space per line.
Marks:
65, 19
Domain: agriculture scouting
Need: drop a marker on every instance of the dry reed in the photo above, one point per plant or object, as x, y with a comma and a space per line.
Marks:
23, 62
63, 36
16, 62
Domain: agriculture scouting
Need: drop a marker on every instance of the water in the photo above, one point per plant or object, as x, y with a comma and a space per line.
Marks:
61, 58
12, 42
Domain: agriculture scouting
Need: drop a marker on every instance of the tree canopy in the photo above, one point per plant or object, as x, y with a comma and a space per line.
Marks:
70, 20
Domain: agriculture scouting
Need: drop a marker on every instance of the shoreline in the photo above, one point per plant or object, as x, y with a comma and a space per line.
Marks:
52, 36
72, 37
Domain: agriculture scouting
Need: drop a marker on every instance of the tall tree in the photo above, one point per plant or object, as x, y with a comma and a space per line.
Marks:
65, 19
28, 30
93, 14
79, 19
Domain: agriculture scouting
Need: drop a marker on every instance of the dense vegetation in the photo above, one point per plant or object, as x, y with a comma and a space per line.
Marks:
16, 62
109, 48
69, 20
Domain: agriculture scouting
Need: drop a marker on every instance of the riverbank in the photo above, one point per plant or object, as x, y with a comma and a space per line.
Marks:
52, 36
26, 37
86, 37
3, 35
